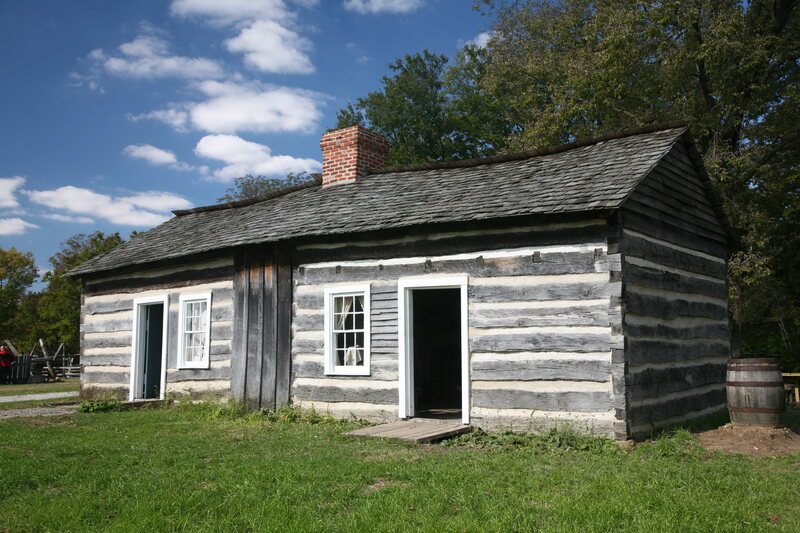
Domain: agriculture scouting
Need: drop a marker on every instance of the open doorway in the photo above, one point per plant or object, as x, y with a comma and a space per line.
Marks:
436, 342
434, 362
149, 349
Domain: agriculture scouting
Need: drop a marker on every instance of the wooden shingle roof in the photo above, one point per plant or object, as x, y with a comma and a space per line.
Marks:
590, 174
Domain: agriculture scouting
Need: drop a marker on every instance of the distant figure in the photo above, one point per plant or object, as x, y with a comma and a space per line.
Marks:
6, 358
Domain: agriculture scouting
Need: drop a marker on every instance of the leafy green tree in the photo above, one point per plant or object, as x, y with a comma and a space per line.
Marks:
572, 68
247, 187
17, 274
59, 306
431, 110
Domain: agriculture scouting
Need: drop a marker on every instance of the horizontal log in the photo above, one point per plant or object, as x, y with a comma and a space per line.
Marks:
108, 326
718, 330
308, 322
665, 255
197, 374
326, 393
662, 279
421, 244
104, 307
645, 223
310, 346
534, 293
541, 342
544, 263
541, 369
656, 382
545, 401
669, 308
182, 278
385, 370
122, 341
120, 378
596, 315
654, 413
643, 351
118, 359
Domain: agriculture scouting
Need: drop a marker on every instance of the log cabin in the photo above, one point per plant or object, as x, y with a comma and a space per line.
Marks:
582, 284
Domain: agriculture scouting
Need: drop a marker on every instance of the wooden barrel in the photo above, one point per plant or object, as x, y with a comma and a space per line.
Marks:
755, 392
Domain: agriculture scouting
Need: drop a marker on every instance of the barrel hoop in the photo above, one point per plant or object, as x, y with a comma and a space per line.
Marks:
764, 368
755, 360
754, 383
772, 410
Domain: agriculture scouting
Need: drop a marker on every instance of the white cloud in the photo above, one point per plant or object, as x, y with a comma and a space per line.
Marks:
482, 39
382, 6
67, 218
231, 11
8, 188
151, 154
270, 47
237, 107
173, 116
142, 209
157, 156
148, 57
267, 33
244, 157
15, 226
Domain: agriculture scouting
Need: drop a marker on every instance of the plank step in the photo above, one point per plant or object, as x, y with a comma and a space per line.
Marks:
412, 430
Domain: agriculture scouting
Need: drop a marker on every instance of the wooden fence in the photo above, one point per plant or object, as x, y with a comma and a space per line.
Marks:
40, 364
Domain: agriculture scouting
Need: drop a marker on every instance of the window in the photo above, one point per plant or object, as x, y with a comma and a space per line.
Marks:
347, 331
195, 331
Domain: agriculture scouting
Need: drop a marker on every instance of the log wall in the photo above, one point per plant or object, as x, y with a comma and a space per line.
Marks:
107, 322
540, 326
674, 253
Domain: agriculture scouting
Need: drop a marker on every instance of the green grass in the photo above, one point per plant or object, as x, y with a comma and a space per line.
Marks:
209, 468
68, 385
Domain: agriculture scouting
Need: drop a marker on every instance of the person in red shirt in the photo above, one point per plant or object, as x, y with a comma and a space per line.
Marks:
6, 358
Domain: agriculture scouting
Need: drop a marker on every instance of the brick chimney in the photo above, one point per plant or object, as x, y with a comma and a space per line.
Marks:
348, 154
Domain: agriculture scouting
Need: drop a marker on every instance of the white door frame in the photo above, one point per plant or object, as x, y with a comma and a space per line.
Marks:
405, 333
137, 345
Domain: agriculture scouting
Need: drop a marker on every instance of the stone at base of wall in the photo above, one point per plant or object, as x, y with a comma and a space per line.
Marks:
93, 392
349, 410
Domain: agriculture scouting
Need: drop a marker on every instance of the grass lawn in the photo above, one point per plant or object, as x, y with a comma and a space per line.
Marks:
68, 385
194, 468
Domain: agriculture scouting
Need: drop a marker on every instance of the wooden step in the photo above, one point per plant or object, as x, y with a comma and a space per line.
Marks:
419, 431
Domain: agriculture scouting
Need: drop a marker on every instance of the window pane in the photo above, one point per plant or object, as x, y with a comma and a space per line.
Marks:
359, 341
359, 303
359, 321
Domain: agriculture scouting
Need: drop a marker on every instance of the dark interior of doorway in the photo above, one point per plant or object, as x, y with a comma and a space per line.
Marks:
437, 353
151, 366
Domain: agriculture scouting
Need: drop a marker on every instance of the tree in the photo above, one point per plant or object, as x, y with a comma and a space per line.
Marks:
17, 274
59, 306
431, 110
573, 68
247, 187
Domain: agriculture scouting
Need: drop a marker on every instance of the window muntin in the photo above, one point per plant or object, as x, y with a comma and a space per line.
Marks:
195, 331
347, 330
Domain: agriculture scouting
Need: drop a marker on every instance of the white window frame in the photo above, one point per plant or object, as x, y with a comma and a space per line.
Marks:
331, 369
205, 363
137, 345
405, 338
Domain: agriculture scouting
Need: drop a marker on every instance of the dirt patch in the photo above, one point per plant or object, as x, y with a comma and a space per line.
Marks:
382, 483
755, 441
39, 411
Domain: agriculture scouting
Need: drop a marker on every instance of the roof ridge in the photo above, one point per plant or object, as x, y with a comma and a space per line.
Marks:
555, 149
247, 201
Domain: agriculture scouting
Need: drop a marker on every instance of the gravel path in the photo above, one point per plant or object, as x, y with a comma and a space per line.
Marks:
42, 396
38, 411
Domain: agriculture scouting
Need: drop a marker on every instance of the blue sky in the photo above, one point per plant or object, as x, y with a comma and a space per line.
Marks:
114, 113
